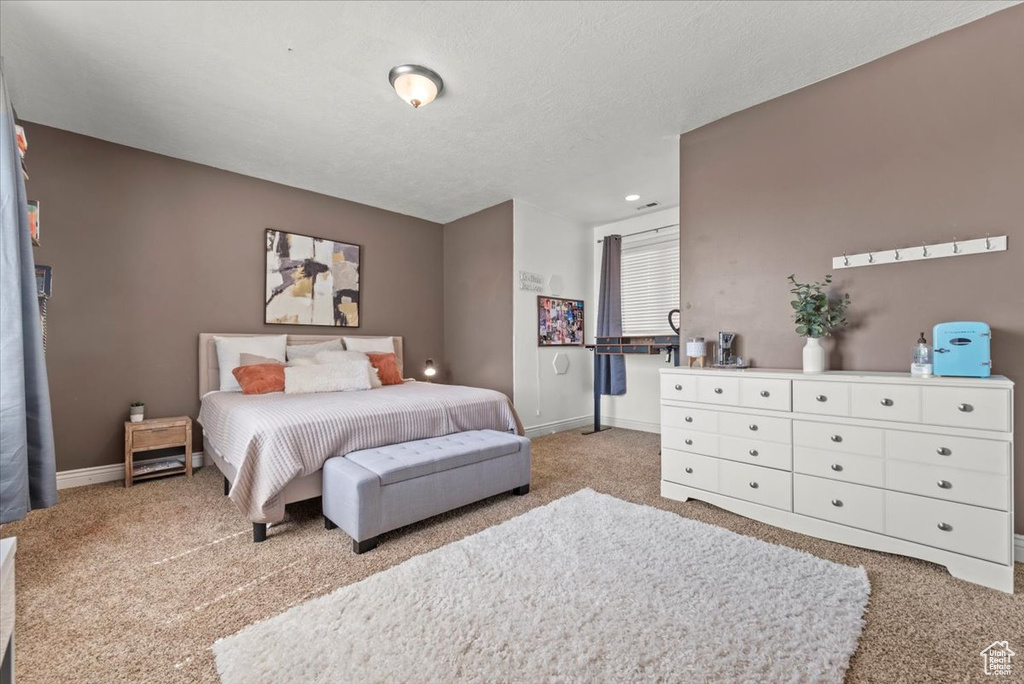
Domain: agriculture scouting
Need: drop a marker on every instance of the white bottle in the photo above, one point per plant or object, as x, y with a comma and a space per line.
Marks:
921, 366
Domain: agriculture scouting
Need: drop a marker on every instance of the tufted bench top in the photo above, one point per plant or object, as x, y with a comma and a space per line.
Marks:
399, 462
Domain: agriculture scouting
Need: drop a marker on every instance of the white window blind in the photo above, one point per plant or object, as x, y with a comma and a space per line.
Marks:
650, 282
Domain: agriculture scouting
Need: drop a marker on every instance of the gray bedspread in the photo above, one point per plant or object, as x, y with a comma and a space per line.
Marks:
272, 439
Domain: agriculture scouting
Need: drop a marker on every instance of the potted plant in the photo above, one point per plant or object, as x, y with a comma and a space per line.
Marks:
137, 411
816, 316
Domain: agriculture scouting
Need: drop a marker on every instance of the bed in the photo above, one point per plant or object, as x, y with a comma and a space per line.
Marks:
271, 448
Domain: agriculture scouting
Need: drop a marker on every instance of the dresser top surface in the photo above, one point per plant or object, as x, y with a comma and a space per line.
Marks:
997, 381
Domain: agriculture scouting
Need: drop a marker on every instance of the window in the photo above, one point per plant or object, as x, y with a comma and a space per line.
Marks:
650, 282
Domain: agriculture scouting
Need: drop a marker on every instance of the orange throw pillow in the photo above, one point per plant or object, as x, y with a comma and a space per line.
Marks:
387, 368
260, 378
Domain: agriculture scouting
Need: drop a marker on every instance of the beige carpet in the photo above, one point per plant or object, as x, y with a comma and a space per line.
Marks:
136, 585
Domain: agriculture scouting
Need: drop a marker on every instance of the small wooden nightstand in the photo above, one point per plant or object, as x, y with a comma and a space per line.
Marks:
158, 433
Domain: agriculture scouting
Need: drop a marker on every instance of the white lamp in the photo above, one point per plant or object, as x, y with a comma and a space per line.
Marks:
429, 370
416, 84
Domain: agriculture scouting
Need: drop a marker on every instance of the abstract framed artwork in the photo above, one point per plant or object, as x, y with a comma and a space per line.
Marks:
559, 322
311, 280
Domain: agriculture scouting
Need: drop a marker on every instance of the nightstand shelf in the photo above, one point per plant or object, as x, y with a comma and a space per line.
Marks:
150, 435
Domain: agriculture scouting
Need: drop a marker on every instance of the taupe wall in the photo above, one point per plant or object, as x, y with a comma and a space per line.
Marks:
149, 251
478, 299
923, 145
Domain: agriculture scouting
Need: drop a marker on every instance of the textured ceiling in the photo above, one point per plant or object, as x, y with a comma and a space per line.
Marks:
568, 105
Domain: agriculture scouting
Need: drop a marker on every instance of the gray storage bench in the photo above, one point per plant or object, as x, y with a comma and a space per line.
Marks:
370, 492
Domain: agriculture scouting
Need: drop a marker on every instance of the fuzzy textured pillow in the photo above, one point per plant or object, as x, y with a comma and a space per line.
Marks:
387, 368
332, 377
303, 351
329, 357
260, 378
376, 345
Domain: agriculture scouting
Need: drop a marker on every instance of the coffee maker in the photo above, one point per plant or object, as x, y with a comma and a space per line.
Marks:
725, 352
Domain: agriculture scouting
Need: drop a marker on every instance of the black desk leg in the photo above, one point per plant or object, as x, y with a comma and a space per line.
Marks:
597, 400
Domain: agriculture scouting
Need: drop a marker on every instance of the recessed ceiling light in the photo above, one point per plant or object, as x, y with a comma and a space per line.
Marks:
416, 84
632, 198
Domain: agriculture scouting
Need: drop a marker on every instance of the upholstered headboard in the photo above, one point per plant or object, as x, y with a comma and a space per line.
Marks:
209, 368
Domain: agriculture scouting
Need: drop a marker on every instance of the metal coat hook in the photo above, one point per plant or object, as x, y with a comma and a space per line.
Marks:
956, 248
924, 249
846, 259
988, 241
871, 258
896, 253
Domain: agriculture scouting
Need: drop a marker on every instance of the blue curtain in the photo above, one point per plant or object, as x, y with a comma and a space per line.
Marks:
611, 368
28, 477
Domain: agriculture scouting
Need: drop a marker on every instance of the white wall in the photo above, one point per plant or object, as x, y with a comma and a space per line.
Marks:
559, 250
638, 408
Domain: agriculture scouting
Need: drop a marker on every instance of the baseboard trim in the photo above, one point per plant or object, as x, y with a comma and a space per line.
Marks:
1018, 548
66, 479
559, 426
630, 424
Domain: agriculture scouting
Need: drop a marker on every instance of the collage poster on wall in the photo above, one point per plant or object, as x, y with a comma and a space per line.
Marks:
560, 322
311, 281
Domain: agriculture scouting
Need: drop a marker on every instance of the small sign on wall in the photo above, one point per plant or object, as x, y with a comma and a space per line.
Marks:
531, 282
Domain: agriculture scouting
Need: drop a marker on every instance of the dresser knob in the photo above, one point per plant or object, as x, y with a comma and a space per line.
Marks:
837, 503
752, 427
945, 527
753, 485
965, 408
718, 390
753, 452
679, 388
943, 451
886, 402
822, 398
688, 419
689, 471
689, 442
765, 393
837, 438
944, 484
836, 467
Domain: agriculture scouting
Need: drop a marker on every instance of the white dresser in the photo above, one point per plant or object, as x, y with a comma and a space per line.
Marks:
919, 467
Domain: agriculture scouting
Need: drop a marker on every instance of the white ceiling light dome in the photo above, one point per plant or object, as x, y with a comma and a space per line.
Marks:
632, 198
415, 84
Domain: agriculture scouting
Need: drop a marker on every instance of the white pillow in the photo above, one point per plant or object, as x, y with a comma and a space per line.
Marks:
300, 351
303, 361
333, 377
329, 357
230, 349
374, 345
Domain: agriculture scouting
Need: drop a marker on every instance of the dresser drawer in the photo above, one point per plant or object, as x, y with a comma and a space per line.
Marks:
758, 485
756, 452
678, 386
950, 484
835, 465
718, 389
691, 470
825, 398
982, 455
886, 402
766, 393
690, 419
969, 407
756, 427
839, 502
156, 438
689, 440
833, 437
956, 527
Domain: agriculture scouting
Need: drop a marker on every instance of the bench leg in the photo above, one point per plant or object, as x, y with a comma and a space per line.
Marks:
329, 524
227, 486
365, 545
259, 532
520, 491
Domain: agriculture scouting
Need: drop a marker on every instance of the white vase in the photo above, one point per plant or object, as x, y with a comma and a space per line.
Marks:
814, 356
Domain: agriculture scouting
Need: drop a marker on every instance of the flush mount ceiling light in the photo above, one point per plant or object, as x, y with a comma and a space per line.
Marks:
632, 198
416, 84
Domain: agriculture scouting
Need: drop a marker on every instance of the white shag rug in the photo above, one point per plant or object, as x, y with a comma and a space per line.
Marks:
588, 588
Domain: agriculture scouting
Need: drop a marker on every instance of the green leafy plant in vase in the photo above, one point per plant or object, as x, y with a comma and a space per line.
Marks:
816, 315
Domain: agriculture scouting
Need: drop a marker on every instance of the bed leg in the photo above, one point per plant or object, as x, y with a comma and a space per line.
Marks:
329, 524
227, 486
365, 545
520, 491
259, 532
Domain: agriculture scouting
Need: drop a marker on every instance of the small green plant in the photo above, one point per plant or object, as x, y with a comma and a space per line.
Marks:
814, 313
136, 403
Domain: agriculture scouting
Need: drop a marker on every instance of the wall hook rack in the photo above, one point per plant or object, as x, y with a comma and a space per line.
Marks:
901, 255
